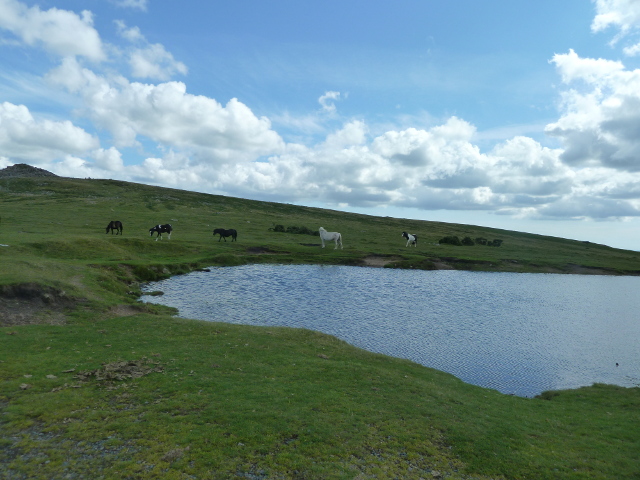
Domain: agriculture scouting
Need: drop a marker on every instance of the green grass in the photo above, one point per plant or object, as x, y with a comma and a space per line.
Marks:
255, 402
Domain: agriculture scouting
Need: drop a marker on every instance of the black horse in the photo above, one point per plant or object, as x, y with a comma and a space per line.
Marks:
115, 225
160, 229
226, 233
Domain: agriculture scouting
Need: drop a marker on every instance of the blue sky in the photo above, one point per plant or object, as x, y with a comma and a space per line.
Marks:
523, 117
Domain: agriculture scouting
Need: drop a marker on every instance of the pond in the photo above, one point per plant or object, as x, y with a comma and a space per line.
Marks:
517, 333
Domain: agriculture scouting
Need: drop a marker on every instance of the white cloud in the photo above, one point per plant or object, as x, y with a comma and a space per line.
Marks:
167, 114
155, 62
135, 4
25, 138
327, 101
61, 32
353, 133
109, 159
571, 67
624, 14
132, 34
149, 60
600, 123
632, 51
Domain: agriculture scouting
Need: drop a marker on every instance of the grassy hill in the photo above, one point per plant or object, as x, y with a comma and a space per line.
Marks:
95, 385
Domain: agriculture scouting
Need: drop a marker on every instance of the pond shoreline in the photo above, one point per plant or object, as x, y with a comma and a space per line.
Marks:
452, 321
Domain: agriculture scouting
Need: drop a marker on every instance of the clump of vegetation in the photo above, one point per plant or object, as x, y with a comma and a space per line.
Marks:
150, 273
468, 241
297, 230
451, 240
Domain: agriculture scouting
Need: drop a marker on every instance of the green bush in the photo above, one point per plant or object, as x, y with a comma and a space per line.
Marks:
495, 243
467, 241
294, 229
481, 241
299, 230
451, 240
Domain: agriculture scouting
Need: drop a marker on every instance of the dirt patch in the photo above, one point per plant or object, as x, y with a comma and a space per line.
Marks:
126, 369
126, 310
310, 244
440, 265
582, 270
30, 303
379, 260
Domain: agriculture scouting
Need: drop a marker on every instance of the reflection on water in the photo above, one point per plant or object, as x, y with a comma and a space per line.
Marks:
517, 333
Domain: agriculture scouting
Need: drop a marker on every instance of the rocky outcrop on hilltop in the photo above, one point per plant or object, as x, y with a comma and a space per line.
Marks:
24, 170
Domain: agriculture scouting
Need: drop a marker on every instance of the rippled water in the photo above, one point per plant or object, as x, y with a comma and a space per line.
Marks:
517, 333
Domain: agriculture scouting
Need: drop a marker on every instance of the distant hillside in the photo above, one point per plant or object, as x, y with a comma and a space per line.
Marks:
65, 218
24, 170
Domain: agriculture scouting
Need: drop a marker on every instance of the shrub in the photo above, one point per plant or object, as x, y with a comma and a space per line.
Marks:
481, 241
467, 241
294, 229
451, 240
299, 230
495, 243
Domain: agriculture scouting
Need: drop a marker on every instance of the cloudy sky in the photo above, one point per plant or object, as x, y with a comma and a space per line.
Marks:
515, 115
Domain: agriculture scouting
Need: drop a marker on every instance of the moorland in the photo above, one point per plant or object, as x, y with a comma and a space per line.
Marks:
95, 384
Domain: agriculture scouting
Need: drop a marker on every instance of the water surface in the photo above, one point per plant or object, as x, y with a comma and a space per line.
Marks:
517, 333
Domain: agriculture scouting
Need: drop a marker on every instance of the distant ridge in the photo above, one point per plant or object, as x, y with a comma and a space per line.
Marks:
24, 170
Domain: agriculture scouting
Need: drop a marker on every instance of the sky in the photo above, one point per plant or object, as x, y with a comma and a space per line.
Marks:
515, 115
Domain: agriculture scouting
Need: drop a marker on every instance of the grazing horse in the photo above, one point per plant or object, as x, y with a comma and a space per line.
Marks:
160, 229
411, 239
226, 233
115, 225
330, 236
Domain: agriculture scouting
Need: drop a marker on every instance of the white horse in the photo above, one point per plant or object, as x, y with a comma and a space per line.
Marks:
330, 236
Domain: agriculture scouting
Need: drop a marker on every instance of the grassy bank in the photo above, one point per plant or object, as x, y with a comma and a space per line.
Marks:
94, 385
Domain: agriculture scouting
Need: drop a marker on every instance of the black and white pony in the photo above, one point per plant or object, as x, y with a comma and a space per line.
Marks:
160, 229
411, 239
330, 237
226, 233
115, 225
